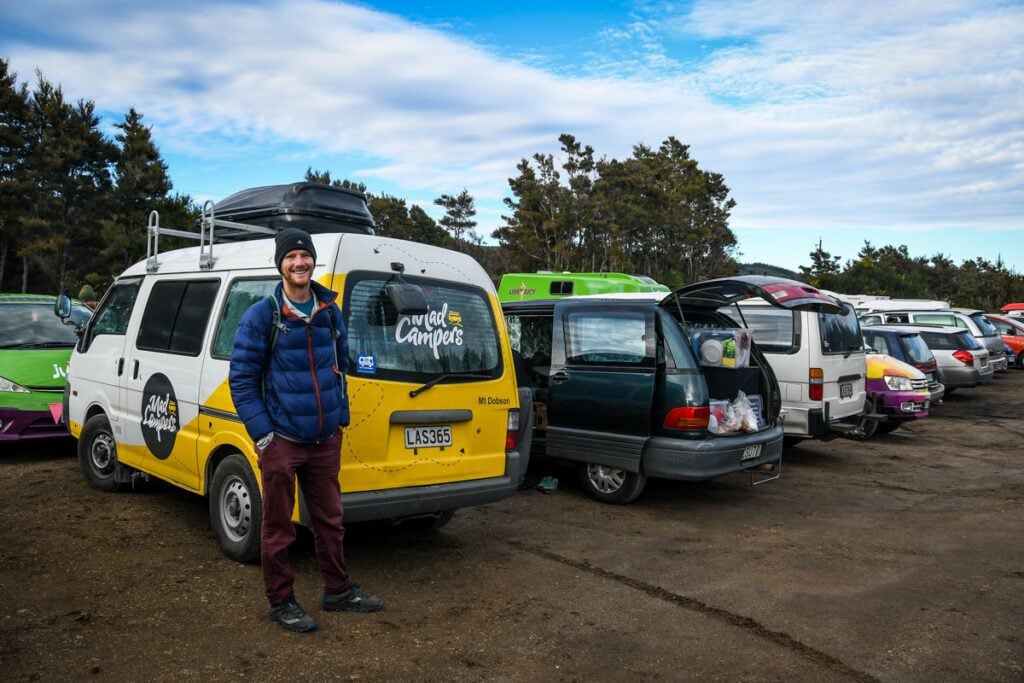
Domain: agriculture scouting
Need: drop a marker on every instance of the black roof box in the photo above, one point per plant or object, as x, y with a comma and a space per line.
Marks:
312, 207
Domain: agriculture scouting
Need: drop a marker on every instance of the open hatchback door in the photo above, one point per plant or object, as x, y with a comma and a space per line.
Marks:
778, 291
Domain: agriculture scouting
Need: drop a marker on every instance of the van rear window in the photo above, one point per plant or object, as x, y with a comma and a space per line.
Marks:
915, 349
840, 332
458, 334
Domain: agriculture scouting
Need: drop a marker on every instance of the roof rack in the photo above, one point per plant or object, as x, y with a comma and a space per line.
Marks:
206, 236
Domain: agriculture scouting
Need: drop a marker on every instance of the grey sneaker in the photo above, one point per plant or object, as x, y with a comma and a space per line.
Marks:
352, 600
292, 617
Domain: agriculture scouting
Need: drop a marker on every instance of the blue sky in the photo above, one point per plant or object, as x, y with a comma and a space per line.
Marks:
832, 120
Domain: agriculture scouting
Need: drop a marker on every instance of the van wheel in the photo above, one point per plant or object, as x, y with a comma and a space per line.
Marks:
236, 509
425, 522
610, 484
97, 454
865, 431
1020, 360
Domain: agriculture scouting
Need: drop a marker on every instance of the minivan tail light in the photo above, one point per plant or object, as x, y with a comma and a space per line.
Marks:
816, 377
689, 417
512, 432
965, 357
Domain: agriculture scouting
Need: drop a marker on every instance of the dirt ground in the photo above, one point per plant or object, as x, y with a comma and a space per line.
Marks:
896, 559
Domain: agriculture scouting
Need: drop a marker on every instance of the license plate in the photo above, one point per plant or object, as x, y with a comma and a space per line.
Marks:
428, 437
846, 390
751, 452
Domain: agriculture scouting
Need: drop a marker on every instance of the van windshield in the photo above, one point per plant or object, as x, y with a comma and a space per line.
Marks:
458, 334
840, 332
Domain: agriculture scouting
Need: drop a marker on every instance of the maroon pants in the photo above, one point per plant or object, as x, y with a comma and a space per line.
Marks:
316, 467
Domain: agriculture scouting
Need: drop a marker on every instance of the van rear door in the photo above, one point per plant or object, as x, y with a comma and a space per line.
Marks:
601, 383
775, 290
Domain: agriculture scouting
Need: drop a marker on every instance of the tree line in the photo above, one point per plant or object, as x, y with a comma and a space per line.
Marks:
74, 206
892, 271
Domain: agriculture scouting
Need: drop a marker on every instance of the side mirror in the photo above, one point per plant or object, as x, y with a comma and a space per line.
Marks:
62, 307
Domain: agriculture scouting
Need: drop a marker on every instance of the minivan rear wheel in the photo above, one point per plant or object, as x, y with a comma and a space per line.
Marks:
611, 484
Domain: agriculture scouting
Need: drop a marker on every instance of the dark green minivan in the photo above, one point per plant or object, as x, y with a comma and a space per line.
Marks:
650, 385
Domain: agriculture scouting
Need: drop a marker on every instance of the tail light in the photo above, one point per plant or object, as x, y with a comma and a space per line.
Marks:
816, 377
689, 417
930, 366
965, 357
512, 433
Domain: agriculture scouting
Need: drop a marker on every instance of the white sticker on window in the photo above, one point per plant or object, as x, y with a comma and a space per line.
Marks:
436, 329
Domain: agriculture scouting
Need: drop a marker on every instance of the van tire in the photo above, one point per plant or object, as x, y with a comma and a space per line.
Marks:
97, 454
610, 484
889, 427
236, 509
1020, 360
865, 431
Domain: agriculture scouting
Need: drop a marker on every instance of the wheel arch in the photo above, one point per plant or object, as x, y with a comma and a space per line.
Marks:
217, 456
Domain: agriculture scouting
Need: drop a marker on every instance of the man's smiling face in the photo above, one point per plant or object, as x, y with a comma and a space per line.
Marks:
297, 268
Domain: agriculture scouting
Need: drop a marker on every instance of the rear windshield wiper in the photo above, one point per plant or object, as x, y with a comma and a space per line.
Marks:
448, 375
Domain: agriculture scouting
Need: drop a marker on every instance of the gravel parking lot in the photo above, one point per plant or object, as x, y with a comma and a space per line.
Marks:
896, 559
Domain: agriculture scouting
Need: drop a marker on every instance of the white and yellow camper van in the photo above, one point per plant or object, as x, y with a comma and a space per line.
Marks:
434, 405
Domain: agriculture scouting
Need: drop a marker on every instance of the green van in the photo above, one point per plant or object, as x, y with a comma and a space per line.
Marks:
551, 285
35, 346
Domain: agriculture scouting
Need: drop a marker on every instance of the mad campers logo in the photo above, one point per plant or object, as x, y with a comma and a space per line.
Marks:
435, 329
159, 416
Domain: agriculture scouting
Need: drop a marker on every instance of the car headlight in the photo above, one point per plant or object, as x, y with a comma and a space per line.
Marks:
8, 385
898, 383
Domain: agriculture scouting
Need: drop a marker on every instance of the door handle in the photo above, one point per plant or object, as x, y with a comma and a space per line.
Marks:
135, 369
559, 377
120, 366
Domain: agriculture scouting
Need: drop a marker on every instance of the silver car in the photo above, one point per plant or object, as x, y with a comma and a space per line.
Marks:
962, 361
968, 319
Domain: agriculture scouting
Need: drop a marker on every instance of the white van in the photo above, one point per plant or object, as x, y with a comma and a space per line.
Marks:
819, 361
148, 388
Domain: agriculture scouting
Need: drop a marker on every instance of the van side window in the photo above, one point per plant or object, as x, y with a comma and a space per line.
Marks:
774, 329
938, 319
115, 311
878, 343
562, 287
530, 335
606, 337
176, 316
241, 295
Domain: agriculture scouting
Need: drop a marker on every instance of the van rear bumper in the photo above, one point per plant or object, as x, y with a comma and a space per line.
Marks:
364, 506
700, 460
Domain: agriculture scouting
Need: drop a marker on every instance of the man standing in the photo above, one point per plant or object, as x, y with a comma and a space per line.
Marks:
287, 382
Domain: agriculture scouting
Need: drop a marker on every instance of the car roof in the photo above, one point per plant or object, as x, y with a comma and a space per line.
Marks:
897, 329
925, 327
12, 298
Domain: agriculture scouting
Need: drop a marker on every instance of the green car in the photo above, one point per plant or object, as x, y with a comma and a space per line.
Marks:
35, 346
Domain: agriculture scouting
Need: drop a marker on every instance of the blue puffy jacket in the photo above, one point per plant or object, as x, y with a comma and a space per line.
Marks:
297, 391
